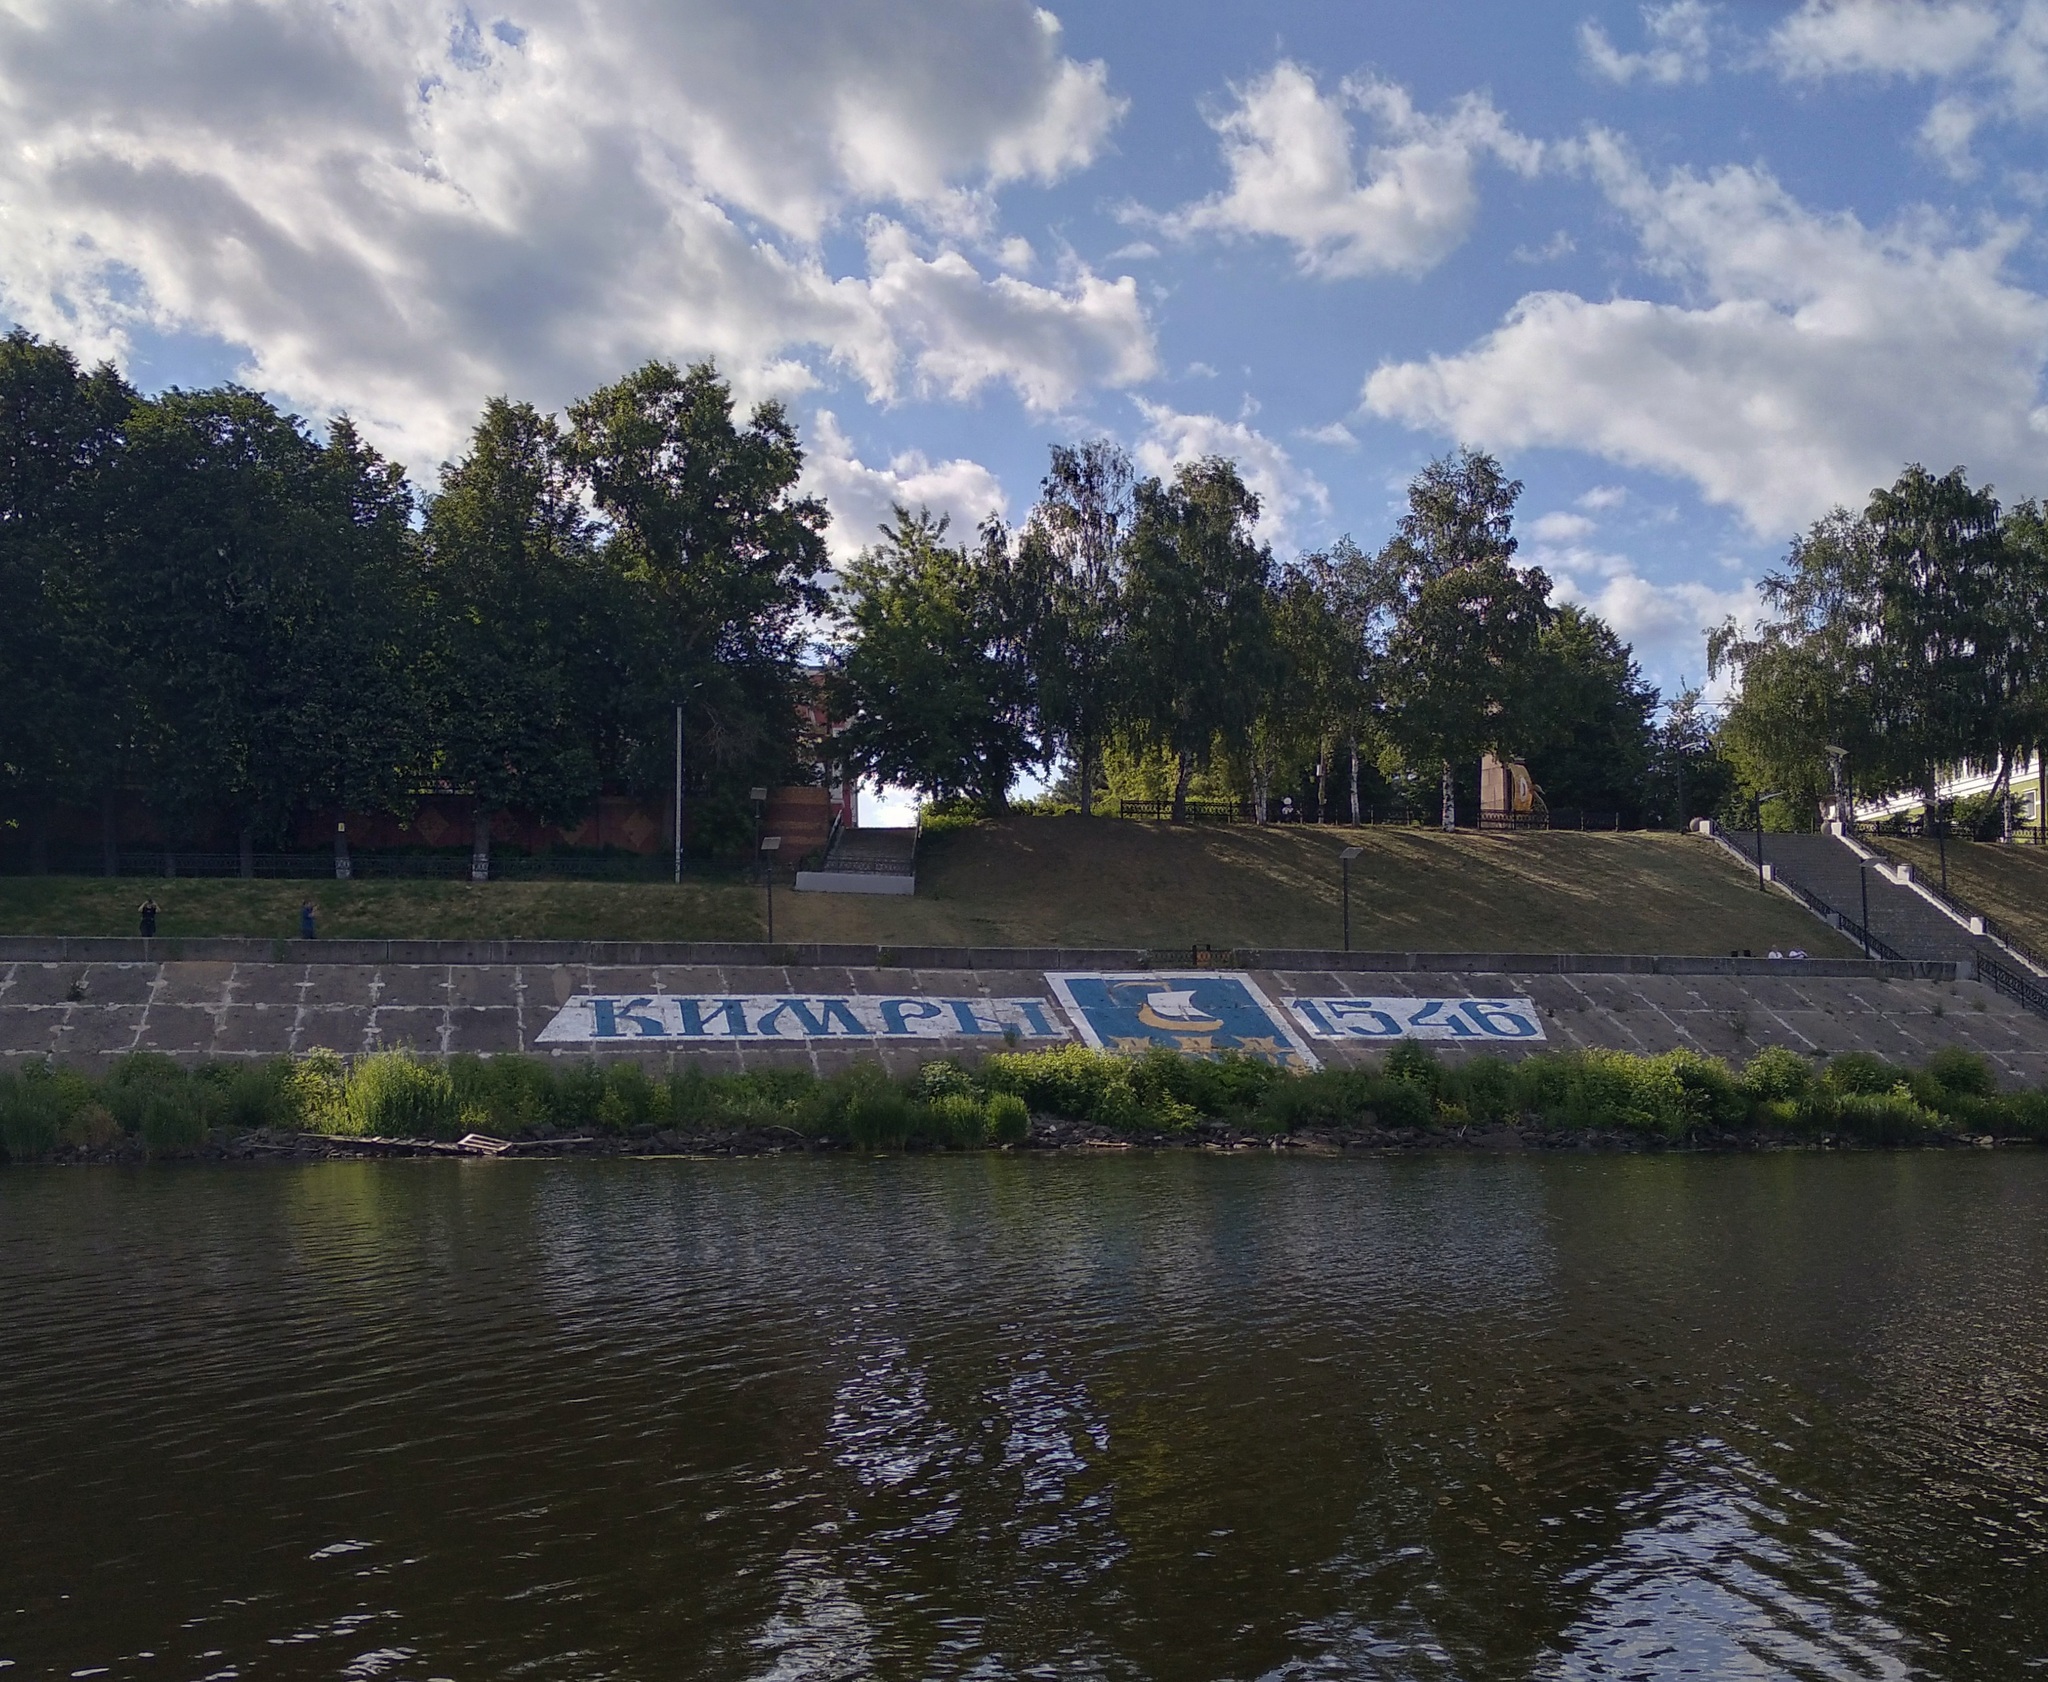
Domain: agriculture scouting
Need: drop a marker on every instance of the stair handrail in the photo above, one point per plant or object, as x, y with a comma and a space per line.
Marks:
1956, 904
1838, 920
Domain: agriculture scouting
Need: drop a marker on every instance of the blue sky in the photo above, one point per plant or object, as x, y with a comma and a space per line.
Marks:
1694, 271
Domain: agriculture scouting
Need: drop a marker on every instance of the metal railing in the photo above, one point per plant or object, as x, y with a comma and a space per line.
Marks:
1957, 905
2025, 988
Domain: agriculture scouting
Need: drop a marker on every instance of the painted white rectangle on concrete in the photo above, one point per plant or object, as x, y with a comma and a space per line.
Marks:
1474, 1020
615, 1018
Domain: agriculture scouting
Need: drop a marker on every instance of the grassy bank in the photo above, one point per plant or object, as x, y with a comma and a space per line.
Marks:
150, 1105
719, 909
1065, 882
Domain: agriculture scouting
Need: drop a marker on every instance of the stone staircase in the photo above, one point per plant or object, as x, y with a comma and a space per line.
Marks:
1837, 880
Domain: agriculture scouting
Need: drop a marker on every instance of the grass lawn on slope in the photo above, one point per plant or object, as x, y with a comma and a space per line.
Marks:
1066, 882
719, 909
2009, 884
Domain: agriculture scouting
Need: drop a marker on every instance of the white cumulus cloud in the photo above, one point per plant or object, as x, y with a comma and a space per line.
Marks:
1679, 44
1813, 355
1666, 623
1399, 205
1989, 56
1885, 37
401, 206
1286, 491
862, 498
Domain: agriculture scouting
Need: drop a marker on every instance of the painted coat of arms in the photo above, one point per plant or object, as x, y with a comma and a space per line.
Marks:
1204, 1014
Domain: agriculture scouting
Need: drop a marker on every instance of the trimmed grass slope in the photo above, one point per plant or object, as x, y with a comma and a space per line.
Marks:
1065, 881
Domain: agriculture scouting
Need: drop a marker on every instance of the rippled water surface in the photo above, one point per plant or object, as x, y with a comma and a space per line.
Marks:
993, 1417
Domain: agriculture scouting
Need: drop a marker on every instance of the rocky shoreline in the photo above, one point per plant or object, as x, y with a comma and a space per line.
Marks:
1048, 1135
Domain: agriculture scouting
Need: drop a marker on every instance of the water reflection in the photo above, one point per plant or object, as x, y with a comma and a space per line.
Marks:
996, 1417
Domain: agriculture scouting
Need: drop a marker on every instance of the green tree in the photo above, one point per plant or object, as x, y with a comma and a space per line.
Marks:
1463, 669
1459, 668
933, 680
513, 568
1587, 732
1905, 637
1321, 691
1461, 511
1687, 776
266, 587
1202, 652
1072, 557
71, 707
717, 558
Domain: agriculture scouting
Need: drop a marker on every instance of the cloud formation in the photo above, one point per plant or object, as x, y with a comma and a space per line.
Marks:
1813, 357
1295, 173
862, 498
1287, 492
1990, 57
1677, 51
402, 207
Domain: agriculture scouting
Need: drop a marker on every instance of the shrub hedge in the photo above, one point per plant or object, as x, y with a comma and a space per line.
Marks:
166, 1109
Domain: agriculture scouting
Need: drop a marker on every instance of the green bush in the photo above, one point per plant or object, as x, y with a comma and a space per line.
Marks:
1417, 1065
31, 1114
1344, 1098
1671, 1096
316, 1093
876, 1115
942, 1080
1074, 1082
167, 1107
1486, 1089
1883, 1118
253, 1095
1953, 1073
1861, 1073
1009, 1118
1777, 1074
391, 1094
958, 1119
506, 1097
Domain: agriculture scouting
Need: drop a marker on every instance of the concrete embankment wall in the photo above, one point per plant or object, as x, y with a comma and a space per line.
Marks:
86, 1002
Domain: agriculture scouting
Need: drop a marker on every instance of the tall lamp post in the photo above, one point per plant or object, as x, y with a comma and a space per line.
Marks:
1757, 811
770, 847
1346, 856
1942, 809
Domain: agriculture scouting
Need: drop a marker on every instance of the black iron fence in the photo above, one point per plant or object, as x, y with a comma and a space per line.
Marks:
1246, 811
2014, 984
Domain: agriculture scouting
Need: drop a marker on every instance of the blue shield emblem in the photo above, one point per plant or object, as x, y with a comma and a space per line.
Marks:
1204, 1014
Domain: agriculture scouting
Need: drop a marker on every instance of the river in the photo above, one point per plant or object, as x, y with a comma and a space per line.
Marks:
1155, 1417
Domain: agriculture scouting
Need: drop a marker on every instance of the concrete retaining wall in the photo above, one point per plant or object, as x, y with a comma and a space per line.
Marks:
84, 1005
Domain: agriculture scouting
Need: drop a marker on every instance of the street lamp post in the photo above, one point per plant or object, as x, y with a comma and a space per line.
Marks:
1941, 826
770, 847
1863, 883
1757, 807
1346, 856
